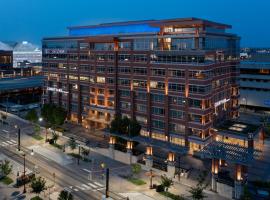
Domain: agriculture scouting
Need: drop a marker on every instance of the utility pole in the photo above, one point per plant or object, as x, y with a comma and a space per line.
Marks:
79, 155
107, 182
24, 189
19, 139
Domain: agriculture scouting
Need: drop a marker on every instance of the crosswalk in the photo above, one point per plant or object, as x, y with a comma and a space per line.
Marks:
8, 143
93, 186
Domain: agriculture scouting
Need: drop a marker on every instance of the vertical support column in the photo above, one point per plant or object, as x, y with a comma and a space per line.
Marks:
238, 190
214, 174
171, 165
111, 147
129, 151
149, 157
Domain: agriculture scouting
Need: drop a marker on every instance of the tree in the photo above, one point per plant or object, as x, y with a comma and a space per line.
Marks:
37, 129
38, 185
55, 137
6, 168
53, 115
246, 194
166, 182
125, 126
65, 195
136, 168
135, 128
32, 116
72, 143
197, 191
85, 152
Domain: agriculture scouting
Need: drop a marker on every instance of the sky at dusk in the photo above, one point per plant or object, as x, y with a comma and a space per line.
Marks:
34, 19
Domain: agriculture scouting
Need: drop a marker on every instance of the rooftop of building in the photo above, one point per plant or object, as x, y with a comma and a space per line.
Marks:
237, 128
142, 26
181, 22
21, 83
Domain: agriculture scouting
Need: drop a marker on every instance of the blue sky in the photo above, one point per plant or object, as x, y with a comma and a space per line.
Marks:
34, 19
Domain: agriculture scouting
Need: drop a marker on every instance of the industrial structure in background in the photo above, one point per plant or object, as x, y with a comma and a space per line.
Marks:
255, 79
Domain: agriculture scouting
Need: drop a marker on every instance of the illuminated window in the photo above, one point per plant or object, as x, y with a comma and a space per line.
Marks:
100, 79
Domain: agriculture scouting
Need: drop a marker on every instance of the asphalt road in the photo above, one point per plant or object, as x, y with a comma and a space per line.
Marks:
64, 176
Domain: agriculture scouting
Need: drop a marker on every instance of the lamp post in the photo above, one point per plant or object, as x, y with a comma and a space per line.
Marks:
24, 171
78, 161
18, 137
151, 175
24, 189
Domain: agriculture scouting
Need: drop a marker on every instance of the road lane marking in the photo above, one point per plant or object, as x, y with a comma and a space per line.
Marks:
5, 131
80, 187
13, 141
9, 142
98, 184
92, 185
86, 186
86, 170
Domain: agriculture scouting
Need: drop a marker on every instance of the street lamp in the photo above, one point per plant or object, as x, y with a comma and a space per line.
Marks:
18, 137
40, 119
23, 154
79, 156
151, 175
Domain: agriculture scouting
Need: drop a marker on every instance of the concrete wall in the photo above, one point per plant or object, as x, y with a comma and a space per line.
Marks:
118, 155
224, 190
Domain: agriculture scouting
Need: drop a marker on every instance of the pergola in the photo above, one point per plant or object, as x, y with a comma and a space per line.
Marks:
230, 152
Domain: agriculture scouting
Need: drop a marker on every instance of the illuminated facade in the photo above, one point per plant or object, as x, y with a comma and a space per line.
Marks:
177, 77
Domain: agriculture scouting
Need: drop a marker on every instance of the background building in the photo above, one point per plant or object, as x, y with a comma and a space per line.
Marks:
255, 79
26, 52
177, 77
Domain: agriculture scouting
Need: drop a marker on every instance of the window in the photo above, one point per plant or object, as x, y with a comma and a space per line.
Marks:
199, 89
141, 108
140, 58
140, 71
158, 124
124, 82
195, 118
101, 69
139, 83
157, 97
100, 79
177, 73
177, 128
158, 72
141, 95
110, 80
124, 70
124, 57
110, 70
176, 87
157, 85
174, 100
124, 93
195, 103
158, 111
176, 114
125, 105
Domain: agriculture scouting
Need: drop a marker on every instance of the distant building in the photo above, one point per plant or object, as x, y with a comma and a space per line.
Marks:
26, 52
29, 67
255, 80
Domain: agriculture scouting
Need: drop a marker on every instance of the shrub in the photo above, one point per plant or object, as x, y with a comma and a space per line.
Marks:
160, 188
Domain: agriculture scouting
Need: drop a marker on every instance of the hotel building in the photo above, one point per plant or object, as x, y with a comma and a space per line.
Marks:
177, 77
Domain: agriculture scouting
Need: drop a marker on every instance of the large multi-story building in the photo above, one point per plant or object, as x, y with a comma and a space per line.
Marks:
177, 77
255, 80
